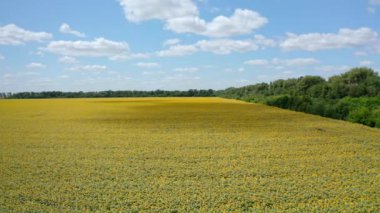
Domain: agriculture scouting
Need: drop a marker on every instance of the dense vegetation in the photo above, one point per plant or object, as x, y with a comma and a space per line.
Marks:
352, 96
109, 93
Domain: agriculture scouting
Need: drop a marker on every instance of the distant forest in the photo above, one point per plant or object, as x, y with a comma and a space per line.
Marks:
352, 96
109, 94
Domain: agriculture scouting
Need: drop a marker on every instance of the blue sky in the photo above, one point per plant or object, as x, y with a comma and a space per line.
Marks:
86, 45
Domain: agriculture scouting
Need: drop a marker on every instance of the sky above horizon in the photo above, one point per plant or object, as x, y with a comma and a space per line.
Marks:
85, 45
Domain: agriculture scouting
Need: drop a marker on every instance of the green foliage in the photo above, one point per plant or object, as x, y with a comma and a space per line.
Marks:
352, 96
364, 110
308, 82
360, 115
109, 93
375, 117
355, 83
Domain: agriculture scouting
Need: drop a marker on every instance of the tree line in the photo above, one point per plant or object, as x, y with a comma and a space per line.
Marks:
352, 96
109, 93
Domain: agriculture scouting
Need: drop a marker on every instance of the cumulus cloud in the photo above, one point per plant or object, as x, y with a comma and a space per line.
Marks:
147, 65
187, 24
235, 70
182, 16
365, 63
295, 62
35, 65
242, 22
186, 69
64, 76
153, 74
181, 78
283, 62
178, 50
99, 47
371, 10
372, 7
41, 82
13, 35
8, 76
226, 46
218, 46
89, 68
333, 69
137, 10
171, 42
67, 60
345, 38
65, 28
264, 41
258, 62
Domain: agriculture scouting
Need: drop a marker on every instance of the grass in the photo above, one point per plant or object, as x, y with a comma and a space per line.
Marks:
182, 154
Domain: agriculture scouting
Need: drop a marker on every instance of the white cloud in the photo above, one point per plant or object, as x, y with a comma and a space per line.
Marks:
37, 53
241, 82
279, 63
31, 73
181, 78
153, 74
365, 63
242, 22
63, 76
99, 47
295, 62
264, 41
374, 2
65, 28
182, 16
371, 10
235, 70
227, 46
13, 35
67, 60
186, 69
140, 55
41, 82
345, 38
171, 42
218, 46
147, 65
1, 57
8, 76
333, 68
90, 68
376, 48
178, 50
361, 53
35, 65
187, 24
130, 56
259, 62
137, 10
215, 9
